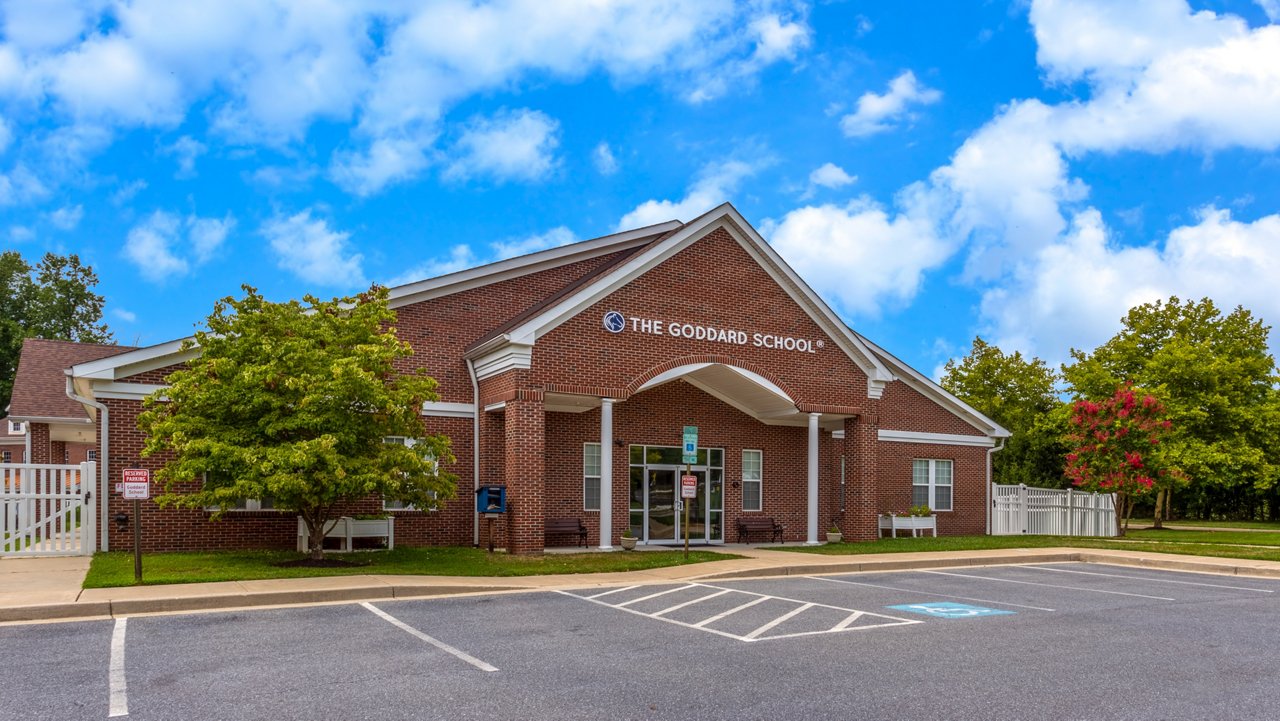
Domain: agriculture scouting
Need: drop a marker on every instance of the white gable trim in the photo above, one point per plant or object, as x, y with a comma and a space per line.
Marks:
725, 216
524, 265
135, 361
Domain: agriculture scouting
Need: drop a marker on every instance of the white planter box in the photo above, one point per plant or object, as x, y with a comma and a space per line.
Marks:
915, 524
348, 528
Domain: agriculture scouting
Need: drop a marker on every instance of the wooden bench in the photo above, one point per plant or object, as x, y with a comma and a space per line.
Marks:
759, 524
564, 526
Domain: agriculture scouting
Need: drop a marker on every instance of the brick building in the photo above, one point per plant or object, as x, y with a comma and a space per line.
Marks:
568, 375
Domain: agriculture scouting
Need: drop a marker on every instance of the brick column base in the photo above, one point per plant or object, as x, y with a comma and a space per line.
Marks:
523, 470
861, 439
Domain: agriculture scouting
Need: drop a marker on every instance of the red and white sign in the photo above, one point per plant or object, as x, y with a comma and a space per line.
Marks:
688, 486
137, 483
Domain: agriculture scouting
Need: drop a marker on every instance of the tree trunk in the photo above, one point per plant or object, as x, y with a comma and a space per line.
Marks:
1161, 508
315, 538
1121, 516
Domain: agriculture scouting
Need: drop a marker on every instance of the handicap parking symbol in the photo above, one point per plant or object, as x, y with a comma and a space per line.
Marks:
950, 610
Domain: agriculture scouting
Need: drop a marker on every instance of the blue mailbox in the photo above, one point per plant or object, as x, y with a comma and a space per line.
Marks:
491, 499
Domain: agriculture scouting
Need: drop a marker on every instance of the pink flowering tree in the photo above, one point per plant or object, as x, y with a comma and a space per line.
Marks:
1116, 448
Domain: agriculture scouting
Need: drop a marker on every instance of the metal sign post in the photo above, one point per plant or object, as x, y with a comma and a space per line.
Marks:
137, 486
690, 453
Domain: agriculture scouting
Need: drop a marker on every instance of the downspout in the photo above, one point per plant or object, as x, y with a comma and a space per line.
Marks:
475, 449
104, 427
991, 451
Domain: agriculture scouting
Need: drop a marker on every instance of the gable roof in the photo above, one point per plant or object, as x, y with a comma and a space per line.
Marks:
40, 386
551, 315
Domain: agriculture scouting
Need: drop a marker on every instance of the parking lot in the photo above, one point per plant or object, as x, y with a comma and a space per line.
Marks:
1051, 641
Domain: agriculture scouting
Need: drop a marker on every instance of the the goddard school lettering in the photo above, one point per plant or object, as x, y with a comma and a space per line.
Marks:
677, 329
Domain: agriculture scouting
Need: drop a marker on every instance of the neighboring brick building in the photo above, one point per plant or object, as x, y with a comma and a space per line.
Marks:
48, 426
569, 374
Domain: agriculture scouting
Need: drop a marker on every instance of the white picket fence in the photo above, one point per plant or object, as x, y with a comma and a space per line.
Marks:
46, 510
1020, 510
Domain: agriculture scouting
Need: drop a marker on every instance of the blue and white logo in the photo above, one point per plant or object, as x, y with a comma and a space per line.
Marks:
614, 322
950, 610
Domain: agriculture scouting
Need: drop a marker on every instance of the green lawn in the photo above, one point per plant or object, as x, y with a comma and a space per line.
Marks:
116, 568
1254, 525
1225, 544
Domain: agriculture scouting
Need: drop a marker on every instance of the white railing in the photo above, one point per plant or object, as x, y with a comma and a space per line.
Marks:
1020, 510
45, 510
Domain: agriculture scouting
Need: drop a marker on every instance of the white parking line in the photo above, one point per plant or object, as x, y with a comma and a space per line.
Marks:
115, 674
679, 606
653, 595
927, 593
1153, 580
780, 619
438, 644
1051, 585
616, 590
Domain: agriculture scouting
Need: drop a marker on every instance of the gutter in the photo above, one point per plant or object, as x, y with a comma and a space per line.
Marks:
990, 452
475, 449
104, 427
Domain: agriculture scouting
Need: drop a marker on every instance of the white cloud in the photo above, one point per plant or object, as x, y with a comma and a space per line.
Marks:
150, 246
778, 39
165, 246
1271, 8
20, 233
127, 316
66, 217
313, 251
857, 254
128, 191
461, 256
830, 175
511, 145
1075, 291
208, 234
879, 113
385, 162
714, 185
185, 150
602, 157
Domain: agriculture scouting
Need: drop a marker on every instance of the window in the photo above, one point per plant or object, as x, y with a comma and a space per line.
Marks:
6, 456
91, 455
931, 484
17, 427
244, 504
752, 480
591, 476
390, 505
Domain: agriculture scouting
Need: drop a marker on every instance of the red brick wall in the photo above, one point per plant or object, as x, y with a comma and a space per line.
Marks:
174, 529
969, 489
712, 283
40, 444
902, 408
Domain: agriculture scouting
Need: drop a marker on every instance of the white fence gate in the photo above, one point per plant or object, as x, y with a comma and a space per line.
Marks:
47, 510
1049, 511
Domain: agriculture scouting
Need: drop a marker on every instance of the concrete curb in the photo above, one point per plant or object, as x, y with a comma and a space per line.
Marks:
890, 565
97, 609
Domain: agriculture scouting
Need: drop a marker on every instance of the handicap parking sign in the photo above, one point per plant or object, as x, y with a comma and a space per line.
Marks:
950, 610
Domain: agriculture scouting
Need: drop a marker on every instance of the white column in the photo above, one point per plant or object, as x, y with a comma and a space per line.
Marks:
606, 473
812, 538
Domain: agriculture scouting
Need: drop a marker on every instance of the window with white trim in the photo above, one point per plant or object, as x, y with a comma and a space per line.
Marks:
6, 456
390, 505
91, 455
752, 480
931, 483
17, 427
591, 476
244, 504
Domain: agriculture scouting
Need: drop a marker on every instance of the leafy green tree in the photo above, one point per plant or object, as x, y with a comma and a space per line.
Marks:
1018, 394
1216, 376
1116, 448
57, 302
293, 402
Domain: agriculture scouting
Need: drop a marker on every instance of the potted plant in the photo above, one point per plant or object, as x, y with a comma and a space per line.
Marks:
628, 539
834, 535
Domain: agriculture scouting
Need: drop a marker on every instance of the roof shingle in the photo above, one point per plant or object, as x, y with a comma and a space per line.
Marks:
40, 387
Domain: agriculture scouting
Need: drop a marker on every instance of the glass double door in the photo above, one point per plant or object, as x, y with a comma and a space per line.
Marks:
663, 522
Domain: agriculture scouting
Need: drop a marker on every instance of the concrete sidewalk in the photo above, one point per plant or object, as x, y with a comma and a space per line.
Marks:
43, 589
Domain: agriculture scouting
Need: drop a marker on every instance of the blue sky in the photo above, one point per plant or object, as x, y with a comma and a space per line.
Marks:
1022, 170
